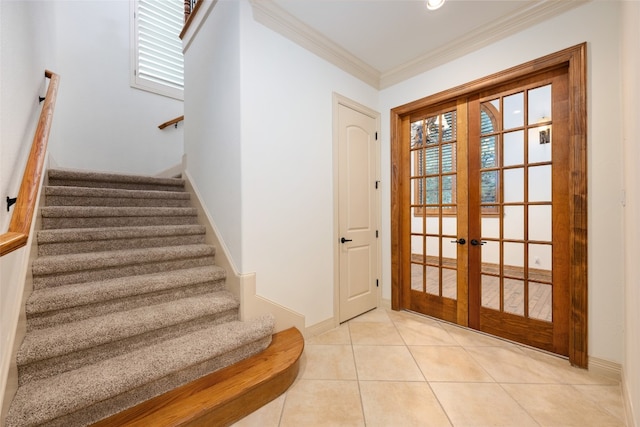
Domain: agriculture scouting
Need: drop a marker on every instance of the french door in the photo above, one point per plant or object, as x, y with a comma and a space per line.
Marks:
438, 212
485, 214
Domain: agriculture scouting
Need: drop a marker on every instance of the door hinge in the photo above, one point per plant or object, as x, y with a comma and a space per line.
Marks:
377, 283
376, 234
377, 184
376, 136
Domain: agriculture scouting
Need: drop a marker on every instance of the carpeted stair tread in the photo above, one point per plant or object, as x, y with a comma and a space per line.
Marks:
43, 344
115, 216
111, 211
98, 233
45, 400
49, 265
80, 240
87, 196
57, 190
59, 177
68, 296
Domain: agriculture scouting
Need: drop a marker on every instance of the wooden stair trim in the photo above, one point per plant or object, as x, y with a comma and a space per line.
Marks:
18, 233
225, 396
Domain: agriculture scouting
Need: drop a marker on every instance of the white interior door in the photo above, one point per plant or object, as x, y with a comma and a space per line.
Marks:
358, 206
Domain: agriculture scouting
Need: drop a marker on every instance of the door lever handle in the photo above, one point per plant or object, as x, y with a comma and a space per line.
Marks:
474, 242
343, 240
460, 241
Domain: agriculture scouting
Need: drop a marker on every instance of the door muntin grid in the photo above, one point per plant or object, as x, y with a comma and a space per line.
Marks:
516, 203
434, 204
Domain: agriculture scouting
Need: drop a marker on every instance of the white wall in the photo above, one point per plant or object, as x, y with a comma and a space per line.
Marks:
631, 132
102, 123
259, 143
597, 23
287, 178
27, 38
212, 128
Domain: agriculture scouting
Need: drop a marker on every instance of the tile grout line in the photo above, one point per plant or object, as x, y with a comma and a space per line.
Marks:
444, 411
466, 345
355, 366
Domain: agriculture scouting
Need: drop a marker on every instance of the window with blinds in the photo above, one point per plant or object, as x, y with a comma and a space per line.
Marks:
158, 64
434, 168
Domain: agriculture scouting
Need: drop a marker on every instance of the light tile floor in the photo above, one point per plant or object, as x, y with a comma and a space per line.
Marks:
388, 368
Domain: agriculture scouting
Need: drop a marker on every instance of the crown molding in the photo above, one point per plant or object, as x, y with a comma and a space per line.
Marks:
269, 14
522, 18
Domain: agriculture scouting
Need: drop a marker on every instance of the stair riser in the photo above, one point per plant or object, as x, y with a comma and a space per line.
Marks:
67, 278
120, 201
57, 365
94, 222
127, 301
57, 317
118, 185
117, 244
130, 398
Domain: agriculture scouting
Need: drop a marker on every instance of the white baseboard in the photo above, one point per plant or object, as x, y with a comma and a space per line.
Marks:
328, 324
321, 327
243, 286
626, 402
252, 305
605, 368
171, 172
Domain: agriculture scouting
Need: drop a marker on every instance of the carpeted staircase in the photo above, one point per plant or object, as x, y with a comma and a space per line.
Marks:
127, 302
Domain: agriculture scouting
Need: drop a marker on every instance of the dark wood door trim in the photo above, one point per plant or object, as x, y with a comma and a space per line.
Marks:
575, 59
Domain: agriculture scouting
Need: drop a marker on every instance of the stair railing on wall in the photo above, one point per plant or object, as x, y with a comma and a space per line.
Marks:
171, 122
24, 210
191, 8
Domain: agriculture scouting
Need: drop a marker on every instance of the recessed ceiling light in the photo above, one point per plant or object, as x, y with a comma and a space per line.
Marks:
434, 4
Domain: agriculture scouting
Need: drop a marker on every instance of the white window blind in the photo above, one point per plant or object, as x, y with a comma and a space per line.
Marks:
158, 62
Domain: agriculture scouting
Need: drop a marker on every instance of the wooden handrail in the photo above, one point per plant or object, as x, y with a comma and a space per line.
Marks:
171, 122
23, 212
189, 17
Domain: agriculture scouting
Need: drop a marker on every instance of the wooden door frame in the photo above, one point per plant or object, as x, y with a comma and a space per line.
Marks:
337, 101
574, 58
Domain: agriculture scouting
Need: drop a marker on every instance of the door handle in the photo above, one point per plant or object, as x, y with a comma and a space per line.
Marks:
460, 241
474, 242
343, 240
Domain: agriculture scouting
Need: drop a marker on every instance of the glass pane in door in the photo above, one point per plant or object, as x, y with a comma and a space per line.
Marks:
516, 224
434, 204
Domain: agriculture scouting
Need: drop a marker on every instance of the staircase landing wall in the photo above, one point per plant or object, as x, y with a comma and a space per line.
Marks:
102, 123
243, 286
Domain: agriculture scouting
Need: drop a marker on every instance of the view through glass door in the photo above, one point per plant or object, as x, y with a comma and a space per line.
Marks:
519, 229
437, 211
485, 209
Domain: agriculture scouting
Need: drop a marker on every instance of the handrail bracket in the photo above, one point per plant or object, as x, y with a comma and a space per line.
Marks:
10, 202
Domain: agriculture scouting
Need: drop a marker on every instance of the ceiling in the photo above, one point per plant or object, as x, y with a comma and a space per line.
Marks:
384, 42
